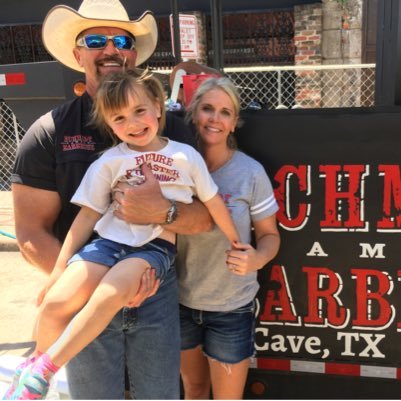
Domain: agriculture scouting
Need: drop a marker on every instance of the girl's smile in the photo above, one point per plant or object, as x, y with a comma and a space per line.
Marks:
137, 123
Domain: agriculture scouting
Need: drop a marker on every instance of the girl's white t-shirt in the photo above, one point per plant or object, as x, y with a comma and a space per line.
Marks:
178, 167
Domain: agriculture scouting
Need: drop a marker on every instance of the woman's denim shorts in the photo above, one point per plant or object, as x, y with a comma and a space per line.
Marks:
228, 337
159, 253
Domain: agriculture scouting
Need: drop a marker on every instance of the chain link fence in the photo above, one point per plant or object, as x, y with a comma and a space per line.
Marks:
10, 134
259, 87
323, 86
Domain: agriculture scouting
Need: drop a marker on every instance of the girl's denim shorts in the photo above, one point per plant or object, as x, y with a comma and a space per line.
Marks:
159, 253
228, 337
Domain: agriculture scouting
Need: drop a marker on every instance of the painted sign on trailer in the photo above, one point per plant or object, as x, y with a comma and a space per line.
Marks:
330, 302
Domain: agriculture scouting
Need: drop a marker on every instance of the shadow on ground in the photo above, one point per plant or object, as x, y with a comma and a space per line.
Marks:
30, 345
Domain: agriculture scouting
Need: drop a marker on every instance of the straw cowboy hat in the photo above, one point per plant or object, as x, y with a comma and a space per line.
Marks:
63, 24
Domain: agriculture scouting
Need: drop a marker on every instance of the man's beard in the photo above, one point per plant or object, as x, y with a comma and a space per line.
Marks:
117, 60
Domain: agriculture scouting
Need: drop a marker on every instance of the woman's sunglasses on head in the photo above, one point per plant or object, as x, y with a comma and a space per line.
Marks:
95, 41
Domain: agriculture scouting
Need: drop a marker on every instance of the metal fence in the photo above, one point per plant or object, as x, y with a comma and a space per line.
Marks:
249, 38
260, 87
10, 134
323, 86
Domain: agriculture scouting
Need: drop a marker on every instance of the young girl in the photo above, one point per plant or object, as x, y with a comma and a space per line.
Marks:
131, 109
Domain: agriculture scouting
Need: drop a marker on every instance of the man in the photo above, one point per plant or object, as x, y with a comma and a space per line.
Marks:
53, 157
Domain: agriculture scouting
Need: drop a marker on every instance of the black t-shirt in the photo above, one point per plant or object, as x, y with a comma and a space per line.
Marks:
59, 147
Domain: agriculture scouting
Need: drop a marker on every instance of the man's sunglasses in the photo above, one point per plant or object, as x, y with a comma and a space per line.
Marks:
95, 41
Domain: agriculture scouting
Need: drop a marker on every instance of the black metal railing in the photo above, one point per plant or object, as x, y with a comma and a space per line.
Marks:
248, 39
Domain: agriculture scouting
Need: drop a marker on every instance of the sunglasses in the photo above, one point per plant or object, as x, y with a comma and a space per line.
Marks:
95, 41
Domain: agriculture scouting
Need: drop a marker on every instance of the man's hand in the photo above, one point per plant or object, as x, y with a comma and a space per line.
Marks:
141, 204
145, 204
148, 287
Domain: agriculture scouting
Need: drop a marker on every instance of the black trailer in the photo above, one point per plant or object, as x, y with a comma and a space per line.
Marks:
329, 304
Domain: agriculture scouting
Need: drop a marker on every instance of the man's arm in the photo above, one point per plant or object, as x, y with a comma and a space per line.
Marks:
145, 204
35, 213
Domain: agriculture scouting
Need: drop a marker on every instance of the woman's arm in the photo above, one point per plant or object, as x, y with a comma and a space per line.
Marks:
245, 258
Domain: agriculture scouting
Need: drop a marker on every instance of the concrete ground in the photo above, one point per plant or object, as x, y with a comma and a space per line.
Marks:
7, 229
19, 286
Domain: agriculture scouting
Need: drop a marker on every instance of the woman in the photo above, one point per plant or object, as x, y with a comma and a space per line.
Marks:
217, 285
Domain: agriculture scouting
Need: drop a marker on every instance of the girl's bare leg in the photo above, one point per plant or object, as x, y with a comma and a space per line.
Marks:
114, 291
65, 298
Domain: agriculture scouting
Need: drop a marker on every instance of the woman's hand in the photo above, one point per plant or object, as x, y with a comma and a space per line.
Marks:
243, 259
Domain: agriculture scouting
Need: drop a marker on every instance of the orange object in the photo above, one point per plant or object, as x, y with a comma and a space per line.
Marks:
79, 88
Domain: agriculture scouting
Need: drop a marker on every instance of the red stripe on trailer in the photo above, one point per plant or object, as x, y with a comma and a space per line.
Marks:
328, 368
342, 369
274, 364
17, 78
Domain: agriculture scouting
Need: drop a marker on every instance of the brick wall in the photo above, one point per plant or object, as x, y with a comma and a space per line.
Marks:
308, 44
342, 44
308, 34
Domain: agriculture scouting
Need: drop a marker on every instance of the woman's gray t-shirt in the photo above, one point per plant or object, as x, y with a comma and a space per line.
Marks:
204, 281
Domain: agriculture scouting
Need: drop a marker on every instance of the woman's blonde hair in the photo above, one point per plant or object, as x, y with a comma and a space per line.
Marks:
226, 85
113, 94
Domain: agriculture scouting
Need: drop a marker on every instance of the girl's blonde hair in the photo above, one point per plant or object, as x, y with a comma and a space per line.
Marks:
113, 94
226, 85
